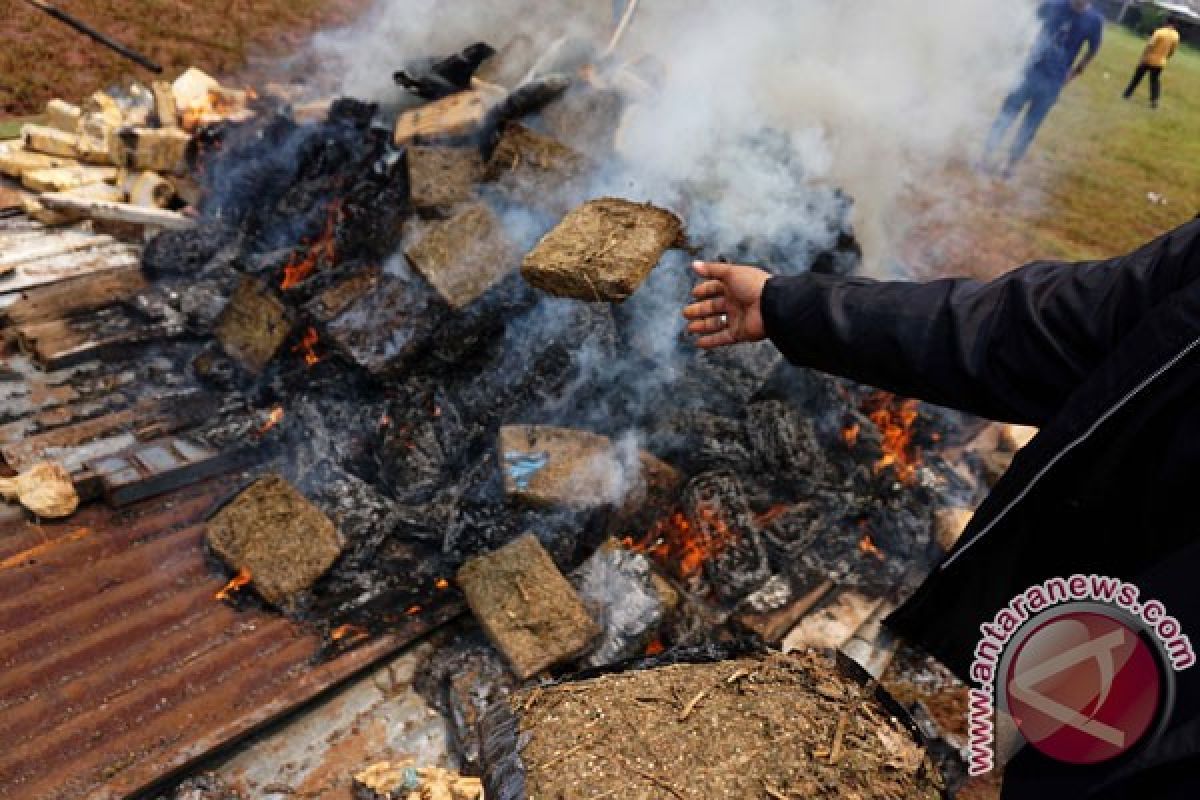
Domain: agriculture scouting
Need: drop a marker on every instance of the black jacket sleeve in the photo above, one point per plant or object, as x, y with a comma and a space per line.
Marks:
1012, 350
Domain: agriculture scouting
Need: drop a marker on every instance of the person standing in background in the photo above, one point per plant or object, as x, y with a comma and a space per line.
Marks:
1068, 26
1158, 52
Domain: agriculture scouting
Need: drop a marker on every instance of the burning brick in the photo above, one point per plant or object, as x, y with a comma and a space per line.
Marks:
464, 256
254, 325
603, 250
442, 177
532, 168
561, 468
526, 607
586, 120
278, 536
388, 325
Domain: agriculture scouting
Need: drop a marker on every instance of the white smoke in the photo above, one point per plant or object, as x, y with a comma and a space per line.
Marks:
873, 96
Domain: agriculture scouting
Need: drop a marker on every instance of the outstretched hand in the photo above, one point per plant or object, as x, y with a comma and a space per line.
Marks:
728, 306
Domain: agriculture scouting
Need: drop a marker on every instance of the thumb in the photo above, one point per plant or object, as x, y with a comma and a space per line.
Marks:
716, 271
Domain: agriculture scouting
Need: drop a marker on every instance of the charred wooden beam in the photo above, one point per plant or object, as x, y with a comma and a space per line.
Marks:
74, 296
157, 467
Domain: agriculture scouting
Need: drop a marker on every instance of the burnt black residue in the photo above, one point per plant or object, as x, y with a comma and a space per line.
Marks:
392, 431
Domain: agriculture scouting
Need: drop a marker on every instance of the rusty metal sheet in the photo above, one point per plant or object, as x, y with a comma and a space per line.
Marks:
117, 666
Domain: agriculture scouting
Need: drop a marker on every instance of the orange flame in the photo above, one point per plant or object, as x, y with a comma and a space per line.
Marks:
683, 547
241, 579
850, 435
299, 267
273, 418
307, 345
895, 419
413, 611
866, 546
351, 632
442, 584
655, 647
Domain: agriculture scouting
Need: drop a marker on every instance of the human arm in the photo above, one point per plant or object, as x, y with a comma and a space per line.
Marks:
1013, 349
1094, 40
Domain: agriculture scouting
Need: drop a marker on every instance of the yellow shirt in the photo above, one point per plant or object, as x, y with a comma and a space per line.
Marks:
1161, 47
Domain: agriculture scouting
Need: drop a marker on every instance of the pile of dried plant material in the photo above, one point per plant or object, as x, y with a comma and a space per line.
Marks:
119, 156
45, 489
603, 250
774, 726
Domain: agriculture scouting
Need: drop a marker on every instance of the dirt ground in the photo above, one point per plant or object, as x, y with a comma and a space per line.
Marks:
42, 58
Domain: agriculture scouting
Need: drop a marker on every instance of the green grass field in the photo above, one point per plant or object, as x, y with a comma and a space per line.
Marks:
1082, 193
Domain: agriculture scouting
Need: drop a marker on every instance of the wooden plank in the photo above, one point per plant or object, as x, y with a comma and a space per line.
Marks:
119, 212
451, 116
74, 296
70, 265
61, 179
59, 343
53, 244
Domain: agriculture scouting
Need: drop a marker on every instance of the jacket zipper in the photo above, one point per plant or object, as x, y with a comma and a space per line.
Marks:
1134, 392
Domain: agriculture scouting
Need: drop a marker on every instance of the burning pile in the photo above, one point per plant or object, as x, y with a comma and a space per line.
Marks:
354, 317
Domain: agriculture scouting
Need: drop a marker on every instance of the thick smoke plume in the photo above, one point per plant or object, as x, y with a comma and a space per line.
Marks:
872, 96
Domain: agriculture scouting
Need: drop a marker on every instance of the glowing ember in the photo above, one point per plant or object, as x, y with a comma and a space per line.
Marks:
323, 249
442, 584
770, 515
273, 418
655, 647
895, 419
685, 548
241, 579
413, 611
850, 435
866, 545
351, 632
307, 345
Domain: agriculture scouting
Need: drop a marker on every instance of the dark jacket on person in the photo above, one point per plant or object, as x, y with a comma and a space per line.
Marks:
1103, 357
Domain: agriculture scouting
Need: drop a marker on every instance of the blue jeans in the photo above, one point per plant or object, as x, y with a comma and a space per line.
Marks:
1036, 95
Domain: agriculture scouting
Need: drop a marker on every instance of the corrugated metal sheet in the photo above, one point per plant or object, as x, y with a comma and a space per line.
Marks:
117, 666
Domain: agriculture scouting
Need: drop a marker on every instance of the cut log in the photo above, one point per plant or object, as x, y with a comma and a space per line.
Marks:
273, 532
155, 149
442, 177
61, 179
455, 115
165, 109
63, 116
602, 251
547, 467
151, 190
526, 607
254, 325
98, 142
51, 141
16, 161
464, 256
118, 212
833, 624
